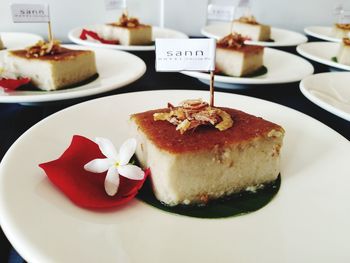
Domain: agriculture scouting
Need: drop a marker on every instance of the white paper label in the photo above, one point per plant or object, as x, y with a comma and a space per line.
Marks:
115, 4
30, 13
185, 54
221, 12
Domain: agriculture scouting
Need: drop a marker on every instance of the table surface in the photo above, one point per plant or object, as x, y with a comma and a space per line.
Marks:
16, 119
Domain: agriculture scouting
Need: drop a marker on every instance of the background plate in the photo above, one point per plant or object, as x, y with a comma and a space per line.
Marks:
18, 40
281, 37
308, 220
322, 32
322, 52
330, 91
156, 31
115, 68
282, 67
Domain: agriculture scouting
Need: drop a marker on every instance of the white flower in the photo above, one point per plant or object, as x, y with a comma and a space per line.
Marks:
116, 163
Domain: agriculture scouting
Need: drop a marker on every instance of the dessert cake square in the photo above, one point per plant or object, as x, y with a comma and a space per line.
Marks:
207, 163
341, 30
234, 58
343, 55
59, 68
249, 27
128, 31
1, 44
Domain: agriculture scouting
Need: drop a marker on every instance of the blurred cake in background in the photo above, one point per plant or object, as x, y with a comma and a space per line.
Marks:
1, 44
248, 27
343, 55
128, 31
51, 66
341, 30
234, 58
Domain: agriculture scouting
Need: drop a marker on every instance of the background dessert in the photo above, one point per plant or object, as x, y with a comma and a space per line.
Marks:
343, 55
250, 28
128, 31
51, 66
341, 30
1, 44
234, 58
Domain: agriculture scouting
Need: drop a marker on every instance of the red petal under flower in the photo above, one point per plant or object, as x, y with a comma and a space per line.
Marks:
86, 189
12, 84
85, 33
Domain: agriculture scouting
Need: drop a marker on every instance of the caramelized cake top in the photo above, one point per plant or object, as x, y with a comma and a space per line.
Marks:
236, 42
164, 135
343, 26
61, 55
346, 41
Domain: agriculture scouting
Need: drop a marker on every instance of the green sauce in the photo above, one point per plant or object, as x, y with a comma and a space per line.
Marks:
233, 205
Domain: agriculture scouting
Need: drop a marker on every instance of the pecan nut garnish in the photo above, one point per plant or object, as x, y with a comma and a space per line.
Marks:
233, 40
126, 21
42, 48
193, 113
343, 26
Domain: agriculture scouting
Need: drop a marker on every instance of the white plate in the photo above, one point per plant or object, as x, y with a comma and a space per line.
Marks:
115, 68
282, 67
322, 32
157, 32
18, 40
330, 91
281, 37
308, 220
322, 52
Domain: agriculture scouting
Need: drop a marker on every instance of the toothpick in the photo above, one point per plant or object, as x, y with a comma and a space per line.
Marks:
231, 27
212, 88
125, 8
50, 37
125, 11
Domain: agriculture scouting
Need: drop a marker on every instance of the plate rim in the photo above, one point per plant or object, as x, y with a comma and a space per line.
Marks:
308, 31
45, 96
11, 237
301, 51
320, 103
79, 41
263, 43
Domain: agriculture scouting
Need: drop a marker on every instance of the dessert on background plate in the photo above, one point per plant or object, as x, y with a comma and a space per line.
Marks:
250, 28
51, 66
341, 30
343, 55
211, 153
128, 31
1, 44
234, 58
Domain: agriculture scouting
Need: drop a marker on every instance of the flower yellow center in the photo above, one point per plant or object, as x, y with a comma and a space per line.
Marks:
117, 164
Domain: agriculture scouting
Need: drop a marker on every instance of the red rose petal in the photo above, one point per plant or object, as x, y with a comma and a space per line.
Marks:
86, 189
85, 33
12, 84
